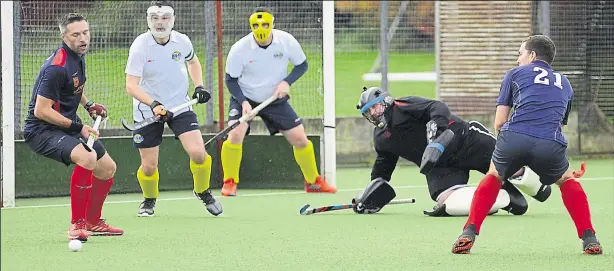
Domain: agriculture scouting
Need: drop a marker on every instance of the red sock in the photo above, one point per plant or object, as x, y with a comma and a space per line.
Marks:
100, 190
576, 203
80, 188
483, 200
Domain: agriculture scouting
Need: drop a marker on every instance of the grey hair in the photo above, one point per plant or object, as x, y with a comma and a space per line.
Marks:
68, 19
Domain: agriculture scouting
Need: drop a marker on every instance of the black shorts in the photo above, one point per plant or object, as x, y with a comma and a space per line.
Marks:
476, 150
474, 153
277, 116
546, 158
57, 145
151, 135
442, 178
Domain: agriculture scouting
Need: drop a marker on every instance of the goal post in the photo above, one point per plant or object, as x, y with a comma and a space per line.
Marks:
8, 106
329, 150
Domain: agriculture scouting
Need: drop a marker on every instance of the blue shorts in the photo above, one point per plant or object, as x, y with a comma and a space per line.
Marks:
277, 116
57, 145
151, 135
514, 150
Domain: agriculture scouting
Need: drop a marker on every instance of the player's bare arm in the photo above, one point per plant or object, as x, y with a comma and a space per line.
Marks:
196, 71
44, 111
501, 116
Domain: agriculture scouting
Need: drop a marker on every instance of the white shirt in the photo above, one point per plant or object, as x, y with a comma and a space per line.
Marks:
261, 70
162, 70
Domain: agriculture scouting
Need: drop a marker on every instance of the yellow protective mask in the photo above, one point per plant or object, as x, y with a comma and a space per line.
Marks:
258, 19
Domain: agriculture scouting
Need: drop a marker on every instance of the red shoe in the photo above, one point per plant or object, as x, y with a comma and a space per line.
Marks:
320, 186
103, 229
78, 231
230, 188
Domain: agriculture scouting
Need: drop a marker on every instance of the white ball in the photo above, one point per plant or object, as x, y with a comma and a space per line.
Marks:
75, 245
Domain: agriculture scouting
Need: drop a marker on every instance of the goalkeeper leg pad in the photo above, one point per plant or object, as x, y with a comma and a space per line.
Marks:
529, 184
374, 197
434, 150
456, 201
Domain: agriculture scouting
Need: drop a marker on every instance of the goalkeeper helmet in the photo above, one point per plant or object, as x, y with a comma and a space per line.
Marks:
261, 24
160, 19
367, 104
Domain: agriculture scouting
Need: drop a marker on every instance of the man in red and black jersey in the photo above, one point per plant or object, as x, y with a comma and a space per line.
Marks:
54, 130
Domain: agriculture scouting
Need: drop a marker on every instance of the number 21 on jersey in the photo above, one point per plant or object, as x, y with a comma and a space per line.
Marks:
541, 78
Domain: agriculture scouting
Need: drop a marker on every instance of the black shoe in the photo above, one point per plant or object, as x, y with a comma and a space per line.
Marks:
590, 244
147, 207
212, 205
465, 241
543, 194
518, 204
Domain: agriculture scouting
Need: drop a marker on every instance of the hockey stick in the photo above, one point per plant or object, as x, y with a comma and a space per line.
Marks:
304, 210
92, 137
243, 119
150, 120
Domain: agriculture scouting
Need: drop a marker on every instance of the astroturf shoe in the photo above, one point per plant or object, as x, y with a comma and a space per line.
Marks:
230, 188
101, 228
465, 241
320, 186
78, 231
213, 206
590, 244
147, 207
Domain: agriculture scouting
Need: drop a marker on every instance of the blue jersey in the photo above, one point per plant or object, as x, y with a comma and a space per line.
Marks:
540, 98
61, 79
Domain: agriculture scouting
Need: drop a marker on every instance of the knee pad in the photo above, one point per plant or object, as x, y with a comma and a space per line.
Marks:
456, 201
530, 184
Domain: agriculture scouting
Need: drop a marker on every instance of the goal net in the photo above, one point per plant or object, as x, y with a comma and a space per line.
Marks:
115, 24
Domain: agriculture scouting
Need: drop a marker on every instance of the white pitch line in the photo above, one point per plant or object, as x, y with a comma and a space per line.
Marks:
192, 198
256, 195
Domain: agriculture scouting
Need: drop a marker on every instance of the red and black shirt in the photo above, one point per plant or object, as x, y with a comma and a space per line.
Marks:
61, 79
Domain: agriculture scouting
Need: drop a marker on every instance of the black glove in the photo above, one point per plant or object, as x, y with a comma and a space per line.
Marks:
201, 94
165, 115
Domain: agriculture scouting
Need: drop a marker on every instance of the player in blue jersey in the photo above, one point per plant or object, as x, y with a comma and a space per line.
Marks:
54, 130
540, 98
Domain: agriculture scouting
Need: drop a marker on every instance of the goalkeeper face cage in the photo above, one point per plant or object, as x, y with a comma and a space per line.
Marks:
160, 20
369, 98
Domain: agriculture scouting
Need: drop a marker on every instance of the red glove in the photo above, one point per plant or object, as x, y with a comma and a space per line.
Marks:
95, 110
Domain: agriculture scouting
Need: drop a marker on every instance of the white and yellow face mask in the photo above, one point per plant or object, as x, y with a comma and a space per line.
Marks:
261, 24
160, 20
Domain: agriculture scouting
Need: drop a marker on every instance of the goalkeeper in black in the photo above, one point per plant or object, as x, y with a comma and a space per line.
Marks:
446, 148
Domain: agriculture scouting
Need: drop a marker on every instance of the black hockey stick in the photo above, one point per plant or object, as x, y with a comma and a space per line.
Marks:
305, 211
243, 119
150, 120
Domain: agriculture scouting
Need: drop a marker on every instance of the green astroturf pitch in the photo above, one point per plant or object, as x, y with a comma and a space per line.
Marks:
262, 230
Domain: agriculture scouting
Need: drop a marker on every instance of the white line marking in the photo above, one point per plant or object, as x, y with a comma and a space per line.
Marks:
256, 195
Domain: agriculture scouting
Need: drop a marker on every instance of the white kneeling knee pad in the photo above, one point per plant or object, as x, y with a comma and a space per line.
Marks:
459, 197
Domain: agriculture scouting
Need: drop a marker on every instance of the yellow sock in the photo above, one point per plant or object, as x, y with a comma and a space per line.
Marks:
231, 160
201, 173
306, 160
149, 184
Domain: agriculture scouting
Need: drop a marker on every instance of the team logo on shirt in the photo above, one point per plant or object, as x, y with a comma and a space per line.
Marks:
233, 112
278, 55
176, 55
75, 81
138, 138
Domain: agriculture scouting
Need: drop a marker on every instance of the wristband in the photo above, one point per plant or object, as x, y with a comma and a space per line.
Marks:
75, 127
154, 104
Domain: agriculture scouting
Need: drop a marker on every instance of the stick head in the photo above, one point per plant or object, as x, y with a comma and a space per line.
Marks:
303, 210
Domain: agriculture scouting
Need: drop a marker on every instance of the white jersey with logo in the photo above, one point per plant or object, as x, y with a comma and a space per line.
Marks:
162, 69
261, 70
